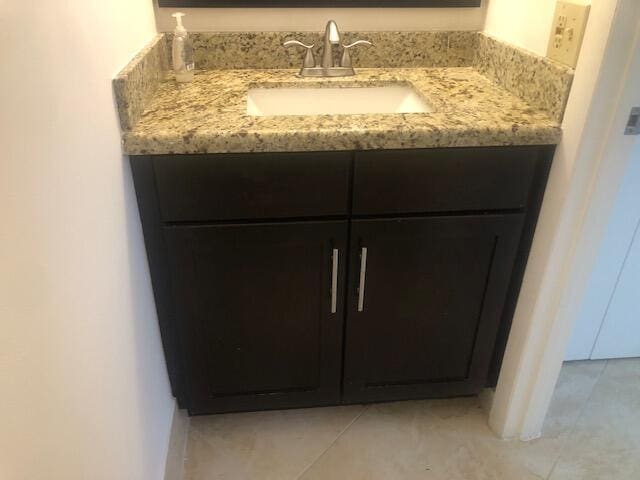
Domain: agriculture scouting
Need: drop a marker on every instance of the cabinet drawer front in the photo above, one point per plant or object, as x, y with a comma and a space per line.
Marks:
256, 185
443, 180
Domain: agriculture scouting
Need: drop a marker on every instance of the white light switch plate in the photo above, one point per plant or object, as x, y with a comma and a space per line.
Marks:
567, 31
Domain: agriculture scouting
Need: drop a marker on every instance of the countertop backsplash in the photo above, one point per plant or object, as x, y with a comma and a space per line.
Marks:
264, 50
137, 82
542, 83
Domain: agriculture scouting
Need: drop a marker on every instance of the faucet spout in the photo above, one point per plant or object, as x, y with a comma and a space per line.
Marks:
331, 37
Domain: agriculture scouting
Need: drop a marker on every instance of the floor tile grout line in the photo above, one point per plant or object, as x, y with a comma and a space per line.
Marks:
578, 418
183, 465
349, 425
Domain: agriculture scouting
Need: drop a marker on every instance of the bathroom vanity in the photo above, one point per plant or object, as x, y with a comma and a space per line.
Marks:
303, 260
300, 279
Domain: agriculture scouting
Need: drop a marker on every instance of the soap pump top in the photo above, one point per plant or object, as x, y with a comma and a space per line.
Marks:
182, 51
179, 28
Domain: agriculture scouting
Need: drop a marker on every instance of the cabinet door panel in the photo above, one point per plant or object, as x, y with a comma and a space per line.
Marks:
254, 313
433, 295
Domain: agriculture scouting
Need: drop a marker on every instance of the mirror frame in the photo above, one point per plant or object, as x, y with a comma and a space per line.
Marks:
318, 3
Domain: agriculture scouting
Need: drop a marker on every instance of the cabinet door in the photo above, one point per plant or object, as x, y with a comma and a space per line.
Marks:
425, 303
259, 322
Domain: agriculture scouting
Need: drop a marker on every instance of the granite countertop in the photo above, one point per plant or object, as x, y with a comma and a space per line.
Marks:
209, 115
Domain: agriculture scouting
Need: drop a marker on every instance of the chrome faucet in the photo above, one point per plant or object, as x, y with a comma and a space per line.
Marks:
327, 66
331, 38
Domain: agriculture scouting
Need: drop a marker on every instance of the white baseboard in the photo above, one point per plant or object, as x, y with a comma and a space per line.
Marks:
177, 445
486, 399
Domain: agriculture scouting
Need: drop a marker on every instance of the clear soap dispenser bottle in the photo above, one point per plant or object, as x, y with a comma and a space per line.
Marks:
182, 51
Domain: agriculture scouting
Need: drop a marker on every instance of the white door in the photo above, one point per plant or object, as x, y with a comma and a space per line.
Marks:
620, 332
608, 325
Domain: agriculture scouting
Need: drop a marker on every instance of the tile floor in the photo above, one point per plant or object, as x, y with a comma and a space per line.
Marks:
592, 432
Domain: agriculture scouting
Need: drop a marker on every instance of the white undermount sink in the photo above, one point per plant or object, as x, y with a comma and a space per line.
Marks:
270, 101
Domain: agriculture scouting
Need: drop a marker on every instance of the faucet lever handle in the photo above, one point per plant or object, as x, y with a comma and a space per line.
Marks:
290, 43
346, 56
309, 60
357, 42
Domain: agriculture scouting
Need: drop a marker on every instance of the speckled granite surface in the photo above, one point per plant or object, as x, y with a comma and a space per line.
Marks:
542, 83
260, 50
135, 85
209, 115
485, 92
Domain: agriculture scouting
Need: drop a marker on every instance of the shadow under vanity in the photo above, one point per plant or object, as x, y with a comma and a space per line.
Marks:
325, 259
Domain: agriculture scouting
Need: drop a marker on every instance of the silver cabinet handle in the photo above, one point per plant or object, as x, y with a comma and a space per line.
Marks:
334, 280
363, 274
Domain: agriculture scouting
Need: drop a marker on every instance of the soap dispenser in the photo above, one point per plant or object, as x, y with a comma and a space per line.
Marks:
182, 51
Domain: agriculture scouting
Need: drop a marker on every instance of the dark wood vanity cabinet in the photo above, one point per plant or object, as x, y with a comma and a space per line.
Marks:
301, 279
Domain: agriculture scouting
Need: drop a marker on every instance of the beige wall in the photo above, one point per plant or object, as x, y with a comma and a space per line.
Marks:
525, 23
83, 385
314, 19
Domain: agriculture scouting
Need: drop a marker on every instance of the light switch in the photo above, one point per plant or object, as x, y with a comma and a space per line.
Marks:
633, 124
569, 23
